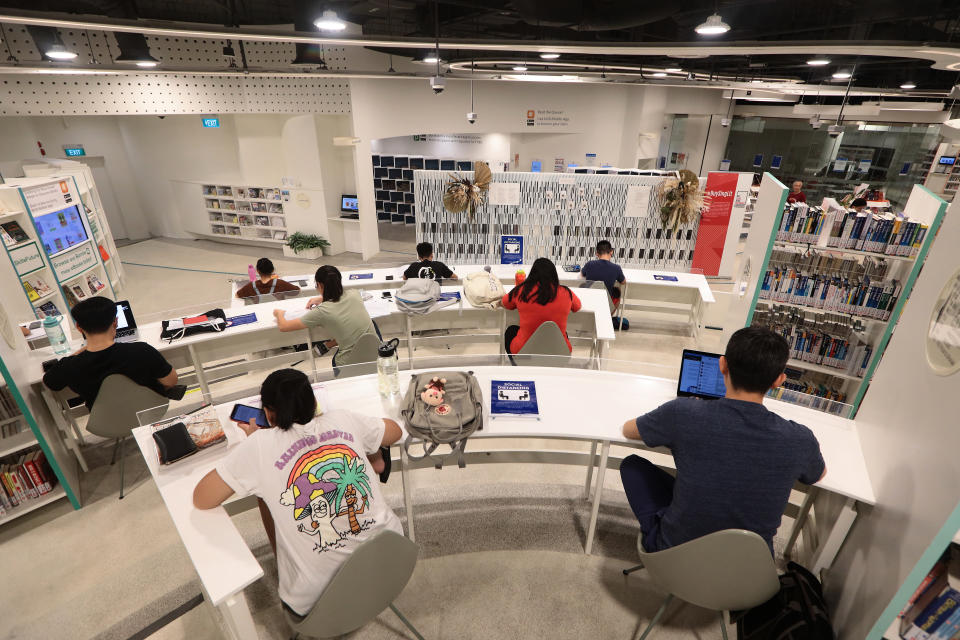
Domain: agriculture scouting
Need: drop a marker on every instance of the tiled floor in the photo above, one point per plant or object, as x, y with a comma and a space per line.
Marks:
114, 567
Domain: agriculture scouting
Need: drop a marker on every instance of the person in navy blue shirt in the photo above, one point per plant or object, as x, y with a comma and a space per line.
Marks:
605, 271
736, 460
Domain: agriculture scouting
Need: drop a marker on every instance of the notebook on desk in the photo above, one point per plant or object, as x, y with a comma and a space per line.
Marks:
700, 375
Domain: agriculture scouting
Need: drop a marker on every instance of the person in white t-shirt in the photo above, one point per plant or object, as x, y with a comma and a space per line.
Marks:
315, 477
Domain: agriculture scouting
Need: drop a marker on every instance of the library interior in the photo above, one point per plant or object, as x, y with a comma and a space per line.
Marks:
437, 319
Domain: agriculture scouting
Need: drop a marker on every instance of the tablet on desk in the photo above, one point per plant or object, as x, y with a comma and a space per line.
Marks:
700, 376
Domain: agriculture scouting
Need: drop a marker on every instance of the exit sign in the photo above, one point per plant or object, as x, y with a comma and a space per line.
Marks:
74, 151
211, 122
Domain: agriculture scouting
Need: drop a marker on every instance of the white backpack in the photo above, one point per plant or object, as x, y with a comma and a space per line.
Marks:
483, 289
419, 296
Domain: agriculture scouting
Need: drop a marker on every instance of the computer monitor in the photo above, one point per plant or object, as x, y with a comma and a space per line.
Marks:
60, 230
349, 203
700, 375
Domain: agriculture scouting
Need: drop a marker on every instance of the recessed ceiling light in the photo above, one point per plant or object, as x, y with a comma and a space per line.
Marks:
519, 67
908, 85
59, 52
329, 22
147, 64
549, 56
712, 26
842, 75
818, 62
541, 78
659, 74
430, 58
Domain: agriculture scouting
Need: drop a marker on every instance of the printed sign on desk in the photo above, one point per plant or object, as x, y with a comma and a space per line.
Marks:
516, 398
511, 249
72, 263
712, 234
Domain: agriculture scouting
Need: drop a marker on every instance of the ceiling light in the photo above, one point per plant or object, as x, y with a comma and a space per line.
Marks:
818, 62
59, 52
146, 64
673, 69
520, 67
908, 85
842, 75
549, 56
430, 58
756, 81
542, 78
134, 49
714, 25
329, 22
659, 74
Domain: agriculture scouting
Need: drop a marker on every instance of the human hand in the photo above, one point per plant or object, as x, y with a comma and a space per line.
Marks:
249, 427
312, 302
279, 313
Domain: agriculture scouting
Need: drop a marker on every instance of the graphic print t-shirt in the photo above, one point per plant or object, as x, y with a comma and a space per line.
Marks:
428, 270
322, 492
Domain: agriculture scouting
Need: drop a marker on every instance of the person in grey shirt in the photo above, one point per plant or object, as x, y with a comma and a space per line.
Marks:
736, 460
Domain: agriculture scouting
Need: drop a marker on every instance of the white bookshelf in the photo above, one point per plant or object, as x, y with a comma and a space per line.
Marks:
251, 214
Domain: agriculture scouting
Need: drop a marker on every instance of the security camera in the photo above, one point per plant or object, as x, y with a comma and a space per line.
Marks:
815, 122
834, 130
471, 117
438, 84
724, 122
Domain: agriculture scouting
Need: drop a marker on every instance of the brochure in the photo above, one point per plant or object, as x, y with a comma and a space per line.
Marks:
514, 398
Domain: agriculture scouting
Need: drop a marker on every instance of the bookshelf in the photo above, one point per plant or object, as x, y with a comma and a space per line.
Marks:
394, 187
943, 175
59, 250
253, 214
834, 284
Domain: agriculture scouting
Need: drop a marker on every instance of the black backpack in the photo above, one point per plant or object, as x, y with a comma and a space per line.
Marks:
796, 612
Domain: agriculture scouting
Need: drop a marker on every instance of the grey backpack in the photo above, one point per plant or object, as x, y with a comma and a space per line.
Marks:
455, 413
420, 296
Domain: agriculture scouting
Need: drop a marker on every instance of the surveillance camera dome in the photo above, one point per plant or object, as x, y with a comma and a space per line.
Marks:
834, 130
438, 84
471, 117
724, 122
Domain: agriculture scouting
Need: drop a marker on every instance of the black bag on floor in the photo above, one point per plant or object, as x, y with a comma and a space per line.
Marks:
796, 612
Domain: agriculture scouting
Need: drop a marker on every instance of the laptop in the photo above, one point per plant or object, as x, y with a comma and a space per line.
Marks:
126, 323
700, 376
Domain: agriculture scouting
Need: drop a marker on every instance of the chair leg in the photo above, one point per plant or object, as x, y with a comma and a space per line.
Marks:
120, 447
656, 618
406, 622
116, 445
723, 625
627, 572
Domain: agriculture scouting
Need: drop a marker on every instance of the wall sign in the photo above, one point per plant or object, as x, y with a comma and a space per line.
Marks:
943, 336
558, 165
758, 160
776, 162
506, 193
511, 249
72, 263
49, 197
26, 259
905, 168
536, 166
211, 123
547, 118
712, 235
74, 150
638, 201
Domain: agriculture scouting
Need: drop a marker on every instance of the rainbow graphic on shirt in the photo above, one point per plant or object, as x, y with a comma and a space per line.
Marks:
306, 480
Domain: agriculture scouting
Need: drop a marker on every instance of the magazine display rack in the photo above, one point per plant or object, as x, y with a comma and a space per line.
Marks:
248, 213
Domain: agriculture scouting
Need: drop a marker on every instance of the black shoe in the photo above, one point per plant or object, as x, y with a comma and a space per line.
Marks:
385, 454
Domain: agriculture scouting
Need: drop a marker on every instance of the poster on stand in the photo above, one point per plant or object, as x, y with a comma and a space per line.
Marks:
714, 221
511, 249
51, 196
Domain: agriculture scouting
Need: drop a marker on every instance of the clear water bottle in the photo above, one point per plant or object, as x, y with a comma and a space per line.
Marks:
55, 334
388, 368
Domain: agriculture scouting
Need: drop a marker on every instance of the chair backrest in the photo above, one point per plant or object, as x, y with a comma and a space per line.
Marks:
363, 356
367, 582
118, 402
547, 340
598, 284
727, 570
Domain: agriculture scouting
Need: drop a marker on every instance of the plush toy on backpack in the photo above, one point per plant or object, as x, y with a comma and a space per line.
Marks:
432, 394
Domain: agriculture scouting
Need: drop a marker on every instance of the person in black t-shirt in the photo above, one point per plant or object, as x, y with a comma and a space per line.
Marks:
427, 267
86, 369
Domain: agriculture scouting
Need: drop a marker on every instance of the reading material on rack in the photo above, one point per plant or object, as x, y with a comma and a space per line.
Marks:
514, 398
25, 476
882, 233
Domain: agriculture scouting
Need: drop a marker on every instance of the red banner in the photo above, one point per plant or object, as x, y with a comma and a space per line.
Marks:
712, 234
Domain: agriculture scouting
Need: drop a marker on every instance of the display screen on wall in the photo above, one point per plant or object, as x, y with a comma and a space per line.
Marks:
776, 162
349, 203
758, 160
60, 230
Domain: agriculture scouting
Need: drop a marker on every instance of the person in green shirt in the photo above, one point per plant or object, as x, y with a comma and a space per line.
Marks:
340, 312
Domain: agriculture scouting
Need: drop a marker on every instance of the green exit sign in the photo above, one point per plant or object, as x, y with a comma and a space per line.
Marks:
72, 152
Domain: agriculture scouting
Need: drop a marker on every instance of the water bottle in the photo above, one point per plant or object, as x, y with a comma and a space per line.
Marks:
252, 273
388, 368
55, 334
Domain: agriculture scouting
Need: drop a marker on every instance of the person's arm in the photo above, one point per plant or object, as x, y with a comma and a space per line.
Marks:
814, 468
575, 303
622, 279
246, 291
654, 429
236, 473
630, 430
168, 380
56, 377
157, 366
446, 272
508, 302
287, 325
211, 491
283, 287
391, 433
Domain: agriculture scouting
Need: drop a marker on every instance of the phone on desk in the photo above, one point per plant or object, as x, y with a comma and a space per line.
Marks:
386, 295
571, 268
246, 413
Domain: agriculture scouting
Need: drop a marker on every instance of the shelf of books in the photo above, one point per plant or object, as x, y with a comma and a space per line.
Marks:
248, 213
55, 244
933, 611
834, 286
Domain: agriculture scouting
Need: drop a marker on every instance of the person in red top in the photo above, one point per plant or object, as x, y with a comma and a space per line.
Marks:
540, 298
796, 193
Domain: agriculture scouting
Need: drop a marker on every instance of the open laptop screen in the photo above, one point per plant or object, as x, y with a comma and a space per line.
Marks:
125, 319
700, 375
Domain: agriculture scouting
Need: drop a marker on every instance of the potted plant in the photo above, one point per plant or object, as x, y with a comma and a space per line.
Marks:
305, 245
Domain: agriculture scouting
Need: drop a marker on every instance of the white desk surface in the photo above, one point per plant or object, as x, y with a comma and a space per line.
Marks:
504, 272
225, 564
594, 301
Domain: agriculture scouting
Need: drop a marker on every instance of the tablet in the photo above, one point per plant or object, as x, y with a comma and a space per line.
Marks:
700, 375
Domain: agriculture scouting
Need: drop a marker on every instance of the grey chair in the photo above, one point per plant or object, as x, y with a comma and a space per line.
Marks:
363, 357
729, 570
547, 347
597, 284
378, 571
121, 405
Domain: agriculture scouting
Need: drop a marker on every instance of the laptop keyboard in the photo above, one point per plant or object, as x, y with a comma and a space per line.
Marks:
122, 333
